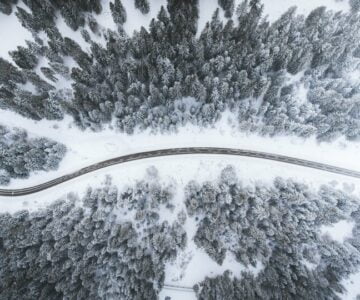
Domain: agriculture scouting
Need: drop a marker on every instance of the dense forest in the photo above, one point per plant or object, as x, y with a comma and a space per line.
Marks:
114, 243
297, 76
294, 76
20, 155
278, 227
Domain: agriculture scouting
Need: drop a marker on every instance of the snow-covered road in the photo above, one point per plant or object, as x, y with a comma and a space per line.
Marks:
179, 151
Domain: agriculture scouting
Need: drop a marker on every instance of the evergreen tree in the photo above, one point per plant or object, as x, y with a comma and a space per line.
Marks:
143, 6
118, 12
24, 58
6, 6
227, 6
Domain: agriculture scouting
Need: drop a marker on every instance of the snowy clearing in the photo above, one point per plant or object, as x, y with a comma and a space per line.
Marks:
339, 231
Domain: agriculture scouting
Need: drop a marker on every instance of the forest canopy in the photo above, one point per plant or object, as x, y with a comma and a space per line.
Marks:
115, 241
292, 76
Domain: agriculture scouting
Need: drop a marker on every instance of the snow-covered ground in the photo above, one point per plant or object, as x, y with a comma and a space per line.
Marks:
9, 40
339, 231
87, 147
193, 264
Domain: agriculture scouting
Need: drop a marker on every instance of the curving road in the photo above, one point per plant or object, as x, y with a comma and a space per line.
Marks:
179, 151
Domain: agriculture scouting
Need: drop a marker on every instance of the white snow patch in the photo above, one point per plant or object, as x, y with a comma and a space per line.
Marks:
339, 231
135, 19
105, 18
176, 294
12, 34
309, 265
206, 11
302, 93
199, 267
42, 35
68, 32
353, 77
28, 86
352, 286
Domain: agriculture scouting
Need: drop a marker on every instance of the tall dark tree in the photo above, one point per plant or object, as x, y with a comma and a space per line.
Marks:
118, 12
143, 6
227, 6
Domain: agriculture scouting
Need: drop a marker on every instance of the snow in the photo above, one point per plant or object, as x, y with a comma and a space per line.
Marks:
340, 231
192, 265
354, 75
86, 147
42, 35
105, 19
176, 294
83, 151
9, 40
206, 11
28, 86
135, 19
68, 32
352, 286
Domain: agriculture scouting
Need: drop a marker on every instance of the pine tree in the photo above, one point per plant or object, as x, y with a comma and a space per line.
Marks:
143, 6
227, 6
118, 12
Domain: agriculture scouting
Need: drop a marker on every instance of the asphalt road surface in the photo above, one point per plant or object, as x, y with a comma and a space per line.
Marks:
179, 151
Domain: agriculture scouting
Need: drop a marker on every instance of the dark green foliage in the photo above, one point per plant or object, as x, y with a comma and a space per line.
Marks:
111, 245
167, 76
49, 73
278, 227
24, 58
9, 73
225, 67
21, 155
143, 6
118, 12
6, 6
227, 6
44, 12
